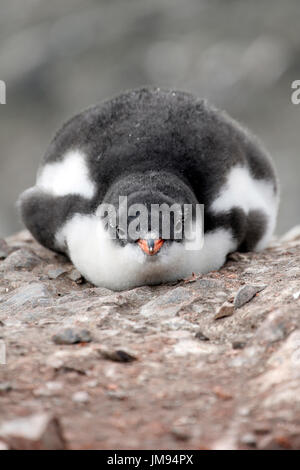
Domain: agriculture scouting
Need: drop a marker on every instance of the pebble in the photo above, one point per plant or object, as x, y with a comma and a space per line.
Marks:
72, 336
55, 273
42, 392
226, 310
262, 428
35, 292
5, 387
21, 259
40, 431
54, 386
236, 256
180, 435
244, 411
92, 383
118, 355
140, 329
80, 397
221, 393
238, 344
248, 439
246, 293
199, 335
75, 276
186, 347
167, 305
208, 284
117, 395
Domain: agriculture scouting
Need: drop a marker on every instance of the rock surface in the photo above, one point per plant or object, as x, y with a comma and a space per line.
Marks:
160, 370
36, 432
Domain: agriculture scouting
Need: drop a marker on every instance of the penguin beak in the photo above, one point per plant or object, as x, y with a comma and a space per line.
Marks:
150, 246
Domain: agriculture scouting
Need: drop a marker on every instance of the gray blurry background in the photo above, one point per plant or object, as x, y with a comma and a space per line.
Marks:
60, 56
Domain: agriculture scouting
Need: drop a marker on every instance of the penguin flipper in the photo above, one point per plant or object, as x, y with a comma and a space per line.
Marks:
44, 214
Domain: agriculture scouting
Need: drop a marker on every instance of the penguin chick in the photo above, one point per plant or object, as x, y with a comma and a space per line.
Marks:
151, 147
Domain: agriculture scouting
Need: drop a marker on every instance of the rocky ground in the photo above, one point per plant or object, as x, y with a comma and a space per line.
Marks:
212, 362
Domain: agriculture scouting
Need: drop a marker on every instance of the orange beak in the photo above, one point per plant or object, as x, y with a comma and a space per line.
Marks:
150, 246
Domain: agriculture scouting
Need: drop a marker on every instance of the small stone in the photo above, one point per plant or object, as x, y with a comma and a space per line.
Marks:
296, 295
208, 284
72, 336
238, 344
75, 276
21, 259
244, 411
55, 363
35, 293
221, 393
54, 386
226, 310
248, 439
236, 256
262, 429
5, 387
199, 335
42, 392
140, 329
185, 347
180, 435
118, 355
92, 383
80, 397
246, 293
167, 305
35, 432
56, 273
116, 395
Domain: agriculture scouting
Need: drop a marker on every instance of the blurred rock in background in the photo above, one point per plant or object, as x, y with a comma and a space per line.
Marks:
61, 56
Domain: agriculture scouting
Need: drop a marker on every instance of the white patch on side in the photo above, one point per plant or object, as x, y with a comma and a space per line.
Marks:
242, 190
105, 263
69, 176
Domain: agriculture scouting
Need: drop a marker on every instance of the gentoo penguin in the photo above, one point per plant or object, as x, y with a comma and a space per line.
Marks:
151, 147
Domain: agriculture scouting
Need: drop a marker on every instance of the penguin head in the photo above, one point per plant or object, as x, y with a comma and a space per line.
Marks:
149, 219
149, 229
137, 235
